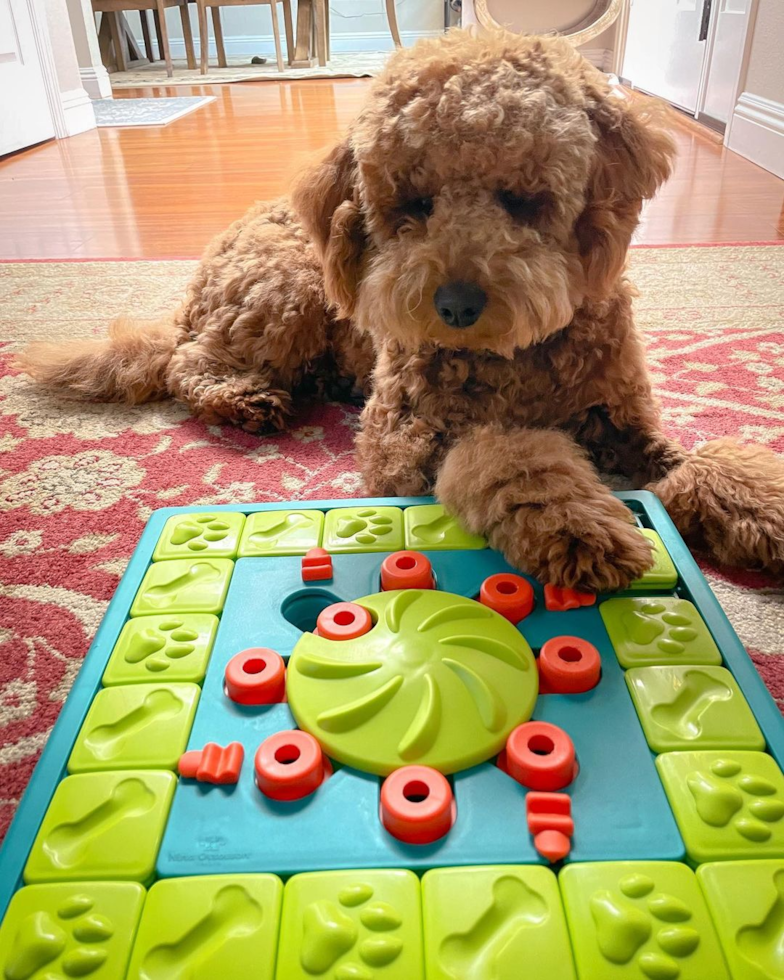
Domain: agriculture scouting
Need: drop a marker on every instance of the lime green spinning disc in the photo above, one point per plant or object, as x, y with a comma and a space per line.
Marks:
439, 681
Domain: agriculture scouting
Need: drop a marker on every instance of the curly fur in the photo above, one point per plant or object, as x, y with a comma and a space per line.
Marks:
507, 162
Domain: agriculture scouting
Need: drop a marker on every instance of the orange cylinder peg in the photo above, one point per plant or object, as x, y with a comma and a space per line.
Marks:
417, 805
406, 570
510, 595
540, 756
343, 621
290, 765
569, 665
256, 676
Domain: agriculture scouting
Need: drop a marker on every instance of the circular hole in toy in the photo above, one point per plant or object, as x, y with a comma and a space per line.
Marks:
507, 588
570, 654
287, 754
254, 666
416, 791
541, 745
345, 617
406, 562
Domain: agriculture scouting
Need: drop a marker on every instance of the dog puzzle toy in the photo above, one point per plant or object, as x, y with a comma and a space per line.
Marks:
457, 771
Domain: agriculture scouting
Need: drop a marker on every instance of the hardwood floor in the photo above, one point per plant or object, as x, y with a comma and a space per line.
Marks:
164, 192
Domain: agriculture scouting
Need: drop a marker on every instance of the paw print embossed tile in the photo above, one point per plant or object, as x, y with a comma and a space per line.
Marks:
727, 804
184, 535
363, 924
167, 648
355, 529
633, 920
71, 930
658, 630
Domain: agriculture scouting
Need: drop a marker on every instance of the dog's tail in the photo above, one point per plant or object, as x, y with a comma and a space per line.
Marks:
127, 366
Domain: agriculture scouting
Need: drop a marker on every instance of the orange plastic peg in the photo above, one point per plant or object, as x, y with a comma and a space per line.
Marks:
550, 822
213, 763
557, 599
290, 765
406, 570
317, 566
256, 676
569, 665
510, 595
343, 621
540, 756
417, 806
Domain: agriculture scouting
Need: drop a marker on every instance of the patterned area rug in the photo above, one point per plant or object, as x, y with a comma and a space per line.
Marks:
146, 112
77, 482
360, 64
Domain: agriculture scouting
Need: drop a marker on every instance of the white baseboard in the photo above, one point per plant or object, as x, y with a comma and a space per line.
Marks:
247, 45
78, 113
95, 81
757, 132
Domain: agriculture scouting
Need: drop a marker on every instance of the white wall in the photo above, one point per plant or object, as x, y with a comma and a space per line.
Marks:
355, 25
757, 126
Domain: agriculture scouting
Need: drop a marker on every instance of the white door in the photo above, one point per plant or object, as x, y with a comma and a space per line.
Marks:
24, 110
665, 48
725, 59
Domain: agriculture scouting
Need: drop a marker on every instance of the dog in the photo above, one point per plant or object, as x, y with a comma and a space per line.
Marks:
459, 260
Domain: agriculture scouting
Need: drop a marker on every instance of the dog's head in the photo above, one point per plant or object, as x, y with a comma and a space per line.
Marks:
489, 187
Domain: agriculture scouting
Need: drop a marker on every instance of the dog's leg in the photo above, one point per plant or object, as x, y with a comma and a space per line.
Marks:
539, 501
398, 455
256, 400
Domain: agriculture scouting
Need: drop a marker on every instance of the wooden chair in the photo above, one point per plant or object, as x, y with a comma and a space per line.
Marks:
112, 12
215, 6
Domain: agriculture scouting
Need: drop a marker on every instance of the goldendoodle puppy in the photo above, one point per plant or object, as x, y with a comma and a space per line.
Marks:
460, 257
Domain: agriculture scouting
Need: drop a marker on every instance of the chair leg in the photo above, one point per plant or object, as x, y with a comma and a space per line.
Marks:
327, 30
392, 18
118, 41
217, 30
287, 20
146, 35
276, 33
187, 35
321, 31
204, 52
164, 37
158, 33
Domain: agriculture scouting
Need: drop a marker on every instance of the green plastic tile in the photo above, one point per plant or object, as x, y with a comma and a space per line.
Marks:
746, 900
351, 925
139, 726
430, 528
281, 532
649, 631
692, 708
361, 529
640, 920
663, 574
201, 928
67, 930
210, 535
408, 691
102, 825
728, 804
184, 585
174, 647
487, 921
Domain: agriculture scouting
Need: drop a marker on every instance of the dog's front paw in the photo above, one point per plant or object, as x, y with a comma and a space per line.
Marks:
253, 409
604, 558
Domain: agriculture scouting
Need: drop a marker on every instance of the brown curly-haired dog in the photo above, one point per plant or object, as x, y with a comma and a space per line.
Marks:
465, 246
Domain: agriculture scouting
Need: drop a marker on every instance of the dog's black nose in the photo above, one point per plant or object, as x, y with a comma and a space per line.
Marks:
460, 304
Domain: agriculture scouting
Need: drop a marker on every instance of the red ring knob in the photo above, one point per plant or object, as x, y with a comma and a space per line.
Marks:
510, 595
417, 805
569, 665
540, 756
256, 676
343, 621
406, 570
290, 765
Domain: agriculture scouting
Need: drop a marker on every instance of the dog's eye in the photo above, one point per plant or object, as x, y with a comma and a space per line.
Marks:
419, 208
524, 208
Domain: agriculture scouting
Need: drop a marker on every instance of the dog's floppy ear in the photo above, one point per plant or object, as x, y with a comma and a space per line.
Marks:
633, 157
327, 202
